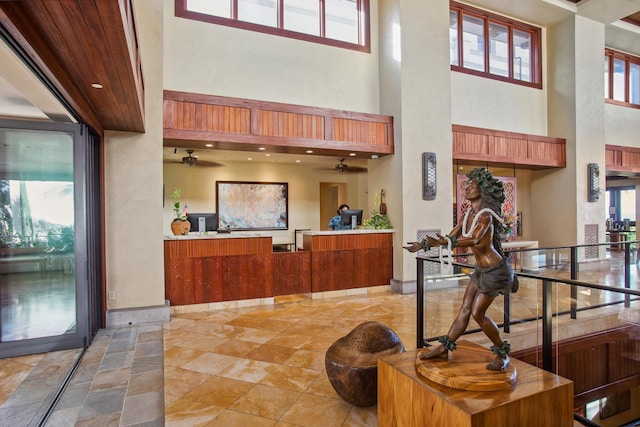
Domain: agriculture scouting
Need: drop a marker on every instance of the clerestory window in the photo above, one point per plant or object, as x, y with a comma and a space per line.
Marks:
621, 78
489, 45
341, 23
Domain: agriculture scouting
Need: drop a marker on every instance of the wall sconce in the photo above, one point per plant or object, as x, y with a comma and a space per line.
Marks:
593, 175
429, 183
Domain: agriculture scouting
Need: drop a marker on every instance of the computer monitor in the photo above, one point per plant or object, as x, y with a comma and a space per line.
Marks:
210, 221
346, 215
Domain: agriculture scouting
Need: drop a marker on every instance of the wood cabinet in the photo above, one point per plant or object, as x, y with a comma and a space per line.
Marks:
610, 356
212, 270
346, 260
203, 270
292, 273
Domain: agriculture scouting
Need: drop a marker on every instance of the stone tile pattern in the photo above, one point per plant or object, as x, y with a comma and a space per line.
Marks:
28, 385
118, 382
240, 366
264, 365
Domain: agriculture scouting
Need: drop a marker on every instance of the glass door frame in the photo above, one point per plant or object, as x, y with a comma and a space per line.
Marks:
83, 288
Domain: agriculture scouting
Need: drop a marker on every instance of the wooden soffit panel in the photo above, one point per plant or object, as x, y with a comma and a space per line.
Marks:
508, 148
623, 160
76, 43
191, 120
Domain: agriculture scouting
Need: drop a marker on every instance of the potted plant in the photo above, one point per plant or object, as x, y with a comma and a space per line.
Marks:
377, 220
180, 226
507, 228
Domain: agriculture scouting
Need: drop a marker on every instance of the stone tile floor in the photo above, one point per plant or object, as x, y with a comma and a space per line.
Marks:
261, 366
264, 366
119, 381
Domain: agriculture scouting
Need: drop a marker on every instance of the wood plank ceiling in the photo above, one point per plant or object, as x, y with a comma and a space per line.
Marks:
78, 43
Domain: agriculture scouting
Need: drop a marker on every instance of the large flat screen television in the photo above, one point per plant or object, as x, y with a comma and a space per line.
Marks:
346, 217
210, 221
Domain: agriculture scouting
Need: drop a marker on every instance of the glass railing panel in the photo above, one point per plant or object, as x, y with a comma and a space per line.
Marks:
586, 329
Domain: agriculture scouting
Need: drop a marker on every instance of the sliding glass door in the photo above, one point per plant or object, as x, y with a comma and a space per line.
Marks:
45, 285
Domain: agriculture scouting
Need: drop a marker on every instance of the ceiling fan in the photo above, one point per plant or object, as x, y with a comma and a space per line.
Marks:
192, 160
343, 167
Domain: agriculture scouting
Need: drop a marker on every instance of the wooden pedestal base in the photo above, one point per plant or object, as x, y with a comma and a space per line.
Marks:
406, 399
465, 369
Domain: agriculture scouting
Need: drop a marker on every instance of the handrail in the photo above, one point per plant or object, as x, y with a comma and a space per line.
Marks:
627, 291
547, 313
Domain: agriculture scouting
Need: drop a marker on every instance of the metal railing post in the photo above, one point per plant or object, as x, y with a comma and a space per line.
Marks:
574, 276
627, 273
420, 303
507, 314
547, 317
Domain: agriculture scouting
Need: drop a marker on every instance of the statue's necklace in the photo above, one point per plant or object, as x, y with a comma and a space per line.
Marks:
474, 223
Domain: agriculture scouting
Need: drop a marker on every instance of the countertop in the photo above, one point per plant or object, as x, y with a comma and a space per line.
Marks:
241, 234
215, 235
338, 232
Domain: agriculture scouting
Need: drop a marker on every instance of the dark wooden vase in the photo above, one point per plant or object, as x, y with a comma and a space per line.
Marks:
352, 361
180, 227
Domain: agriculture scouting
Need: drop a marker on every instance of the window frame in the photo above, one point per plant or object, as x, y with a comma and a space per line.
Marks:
628, 59
364, 18
536, 45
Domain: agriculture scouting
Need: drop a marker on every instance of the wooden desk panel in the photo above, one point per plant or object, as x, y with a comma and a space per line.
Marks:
292, 273
222, 269
349, 260
203, 270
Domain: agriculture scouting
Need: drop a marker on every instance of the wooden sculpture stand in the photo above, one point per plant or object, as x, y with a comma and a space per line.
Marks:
406, 398
466, 369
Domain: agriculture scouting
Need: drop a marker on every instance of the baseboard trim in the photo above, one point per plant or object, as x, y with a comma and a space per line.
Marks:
138, 315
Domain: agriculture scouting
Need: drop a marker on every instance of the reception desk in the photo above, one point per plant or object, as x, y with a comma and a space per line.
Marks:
349, 259
238, 266
528, 259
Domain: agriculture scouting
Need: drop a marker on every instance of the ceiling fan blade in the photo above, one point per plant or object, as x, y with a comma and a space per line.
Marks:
354, 169
342, 167
207, 163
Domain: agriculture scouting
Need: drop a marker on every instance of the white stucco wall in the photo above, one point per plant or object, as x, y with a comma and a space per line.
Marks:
492, 104
214, 59
622, 125
133, 185
426, 120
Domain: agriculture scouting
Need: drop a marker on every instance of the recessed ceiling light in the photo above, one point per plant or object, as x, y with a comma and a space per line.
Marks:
261, 148
96, 85
309, 151
374, 156
249, 158
352, 154
208, 145
268, 155
297, 161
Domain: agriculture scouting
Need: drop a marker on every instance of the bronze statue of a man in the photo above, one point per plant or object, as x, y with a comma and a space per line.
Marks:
493, 275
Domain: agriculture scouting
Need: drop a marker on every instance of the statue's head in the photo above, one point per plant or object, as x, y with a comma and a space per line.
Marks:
492, 195
490, 187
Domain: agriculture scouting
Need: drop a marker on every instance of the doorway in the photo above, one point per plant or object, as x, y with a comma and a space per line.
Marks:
332, 195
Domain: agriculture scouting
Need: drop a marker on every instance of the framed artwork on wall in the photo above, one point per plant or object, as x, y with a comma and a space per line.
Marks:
252, 205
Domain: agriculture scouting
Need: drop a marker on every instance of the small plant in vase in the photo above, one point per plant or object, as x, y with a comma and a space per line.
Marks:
180, 226
377, 220
507, 228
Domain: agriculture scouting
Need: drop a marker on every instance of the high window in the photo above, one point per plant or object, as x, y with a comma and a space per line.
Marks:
489, 45
621, 78
341, 23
